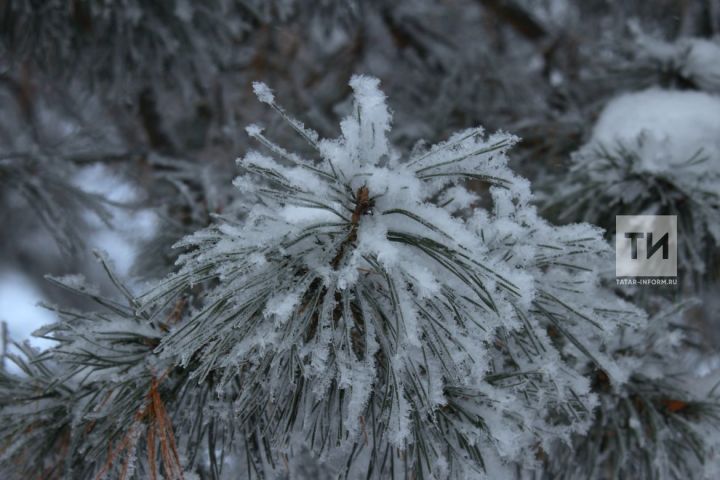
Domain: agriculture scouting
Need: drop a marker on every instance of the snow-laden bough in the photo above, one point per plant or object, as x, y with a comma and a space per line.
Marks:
395, 313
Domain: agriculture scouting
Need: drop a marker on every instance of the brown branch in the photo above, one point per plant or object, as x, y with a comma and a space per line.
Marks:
158, 425
363, 205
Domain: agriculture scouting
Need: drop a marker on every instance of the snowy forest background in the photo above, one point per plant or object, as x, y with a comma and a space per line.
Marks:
193, 306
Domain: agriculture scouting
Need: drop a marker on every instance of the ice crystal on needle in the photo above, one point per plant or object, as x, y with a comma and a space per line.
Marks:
364, 314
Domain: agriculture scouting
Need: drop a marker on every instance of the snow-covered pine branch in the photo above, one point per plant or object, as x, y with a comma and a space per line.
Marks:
662, 423
96, 405
654, 152
687, 62
370, 310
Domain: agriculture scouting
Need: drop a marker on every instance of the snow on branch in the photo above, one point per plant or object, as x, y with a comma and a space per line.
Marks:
360, 302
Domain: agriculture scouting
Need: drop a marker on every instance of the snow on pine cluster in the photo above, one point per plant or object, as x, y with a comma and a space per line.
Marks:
701, 62
667, 127
653, 152
365, 311
697, 60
